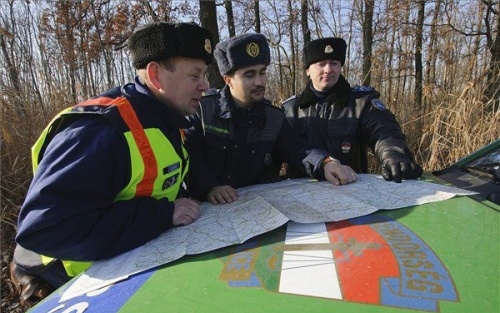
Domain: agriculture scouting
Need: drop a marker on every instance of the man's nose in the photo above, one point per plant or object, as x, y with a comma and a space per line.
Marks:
328, 67
260, 80
204, 85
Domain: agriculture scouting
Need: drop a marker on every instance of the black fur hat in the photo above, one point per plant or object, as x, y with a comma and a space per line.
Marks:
324, 49
242, 51
161, 40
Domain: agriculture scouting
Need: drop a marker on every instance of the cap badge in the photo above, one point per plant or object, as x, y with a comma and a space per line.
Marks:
328, 49
253, 49
208, 46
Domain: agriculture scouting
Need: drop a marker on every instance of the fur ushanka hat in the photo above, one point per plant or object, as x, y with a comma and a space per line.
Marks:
324, 49
242, 51
161, 40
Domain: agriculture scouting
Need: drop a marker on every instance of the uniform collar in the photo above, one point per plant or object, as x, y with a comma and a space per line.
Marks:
308, 96
227, 107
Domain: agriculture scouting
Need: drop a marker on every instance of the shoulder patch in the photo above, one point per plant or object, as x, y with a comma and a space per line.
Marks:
377, 104
362, 88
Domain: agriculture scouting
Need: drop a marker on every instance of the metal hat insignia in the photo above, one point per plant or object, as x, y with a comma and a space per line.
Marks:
208, 46
253, 49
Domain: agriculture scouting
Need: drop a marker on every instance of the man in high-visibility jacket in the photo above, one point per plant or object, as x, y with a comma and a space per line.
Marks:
108, 172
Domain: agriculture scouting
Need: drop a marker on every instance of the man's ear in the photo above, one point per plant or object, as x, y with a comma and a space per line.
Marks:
227, 80
153, 72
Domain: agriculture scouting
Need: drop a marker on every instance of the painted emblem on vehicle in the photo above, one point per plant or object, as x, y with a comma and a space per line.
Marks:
371, 259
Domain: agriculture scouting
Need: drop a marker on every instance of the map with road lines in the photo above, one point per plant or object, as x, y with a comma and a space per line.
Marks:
259, 209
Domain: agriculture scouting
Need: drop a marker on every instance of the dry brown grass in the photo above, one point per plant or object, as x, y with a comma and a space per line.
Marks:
19, 130
457, 126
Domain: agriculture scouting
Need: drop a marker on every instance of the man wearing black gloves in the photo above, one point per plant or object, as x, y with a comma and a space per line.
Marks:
345, 120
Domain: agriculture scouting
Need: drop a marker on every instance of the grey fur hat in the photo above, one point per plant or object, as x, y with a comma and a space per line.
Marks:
242, 51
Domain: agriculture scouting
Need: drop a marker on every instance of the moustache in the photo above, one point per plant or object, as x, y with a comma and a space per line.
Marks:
261, 89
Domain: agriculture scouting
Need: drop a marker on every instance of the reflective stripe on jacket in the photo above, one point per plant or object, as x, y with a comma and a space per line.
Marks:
156, 169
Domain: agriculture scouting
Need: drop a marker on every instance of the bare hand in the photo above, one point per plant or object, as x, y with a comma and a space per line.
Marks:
339, 174
222, 194
186, 211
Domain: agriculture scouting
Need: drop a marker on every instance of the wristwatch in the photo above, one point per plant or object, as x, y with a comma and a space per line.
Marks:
329, 159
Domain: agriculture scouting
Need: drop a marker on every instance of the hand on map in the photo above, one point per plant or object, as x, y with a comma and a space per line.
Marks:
339, 174
186, 211
397, 168
222, 194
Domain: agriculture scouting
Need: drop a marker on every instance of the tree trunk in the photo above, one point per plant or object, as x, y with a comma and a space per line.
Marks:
492, 92
430, 72
418, 56
367, 41
230, 18
257, 16
304, 12
208, 18
292, 45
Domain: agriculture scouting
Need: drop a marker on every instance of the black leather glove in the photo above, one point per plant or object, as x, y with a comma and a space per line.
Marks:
398, 167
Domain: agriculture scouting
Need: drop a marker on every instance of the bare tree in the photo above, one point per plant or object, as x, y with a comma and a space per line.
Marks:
230, 17
493, 40
150, 10
367, 41
11, 69
208, 18
304, 23
430, 64
419, 34
257, 15
292, 22
279, 72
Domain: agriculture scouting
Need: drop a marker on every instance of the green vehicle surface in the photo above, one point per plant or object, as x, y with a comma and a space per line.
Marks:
436, 257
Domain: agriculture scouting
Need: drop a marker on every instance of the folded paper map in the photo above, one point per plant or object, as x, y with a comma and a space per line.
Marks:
259, 209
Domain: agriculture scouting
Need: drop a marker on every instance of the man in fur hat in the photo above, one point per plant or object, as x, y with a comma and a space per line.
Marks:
347, 120
109, 171
239, 138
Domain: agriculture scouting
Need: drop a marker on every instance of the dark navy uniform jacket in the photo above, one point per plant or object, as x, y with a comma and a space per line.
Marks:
236, 147
346, 122
69, 211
